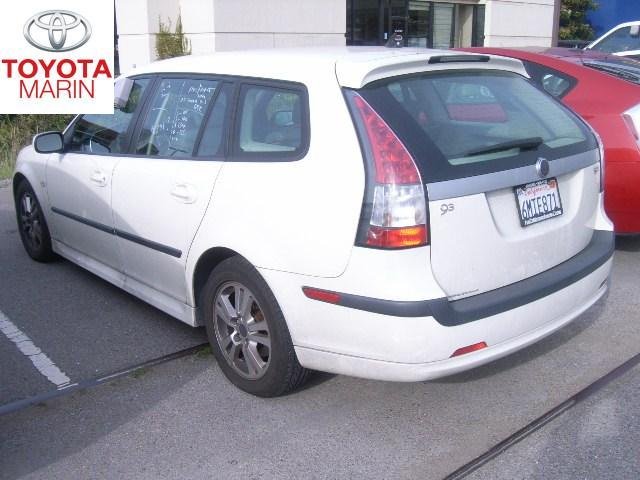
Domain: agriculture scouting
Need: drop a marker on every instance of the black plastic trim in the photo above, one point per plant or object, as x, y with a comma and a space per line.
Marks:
98, 226
174, 252
458, 312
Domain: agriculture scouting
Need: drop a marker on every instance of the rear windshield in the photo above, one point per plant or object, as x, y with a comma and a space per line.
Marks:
624, 69
460, 124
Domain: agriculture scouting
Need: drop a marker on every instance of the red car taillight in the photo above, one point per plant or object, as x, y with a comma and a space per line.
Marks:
395, 212
632, 119
601, 151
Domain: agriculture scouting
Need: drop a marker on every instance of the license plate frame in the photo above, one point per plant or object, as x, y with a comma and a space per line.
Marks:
535, 200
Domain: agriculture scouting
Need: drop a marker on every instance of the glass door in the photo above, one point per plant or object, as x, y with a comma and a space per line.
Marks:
395, 12
418, 23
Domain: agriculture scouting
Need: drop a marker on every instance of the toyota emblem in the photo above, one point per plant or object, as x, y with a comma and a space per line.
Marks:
57, 30
542, 167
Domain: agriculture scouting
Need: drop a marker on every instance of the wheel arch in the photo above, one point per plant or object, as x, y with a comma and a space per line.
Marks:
17, 179
206, 263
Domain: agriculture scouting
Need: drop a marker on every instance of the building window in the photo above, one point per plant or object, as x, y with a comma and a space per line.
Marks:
363, 22
423, 23
477, 36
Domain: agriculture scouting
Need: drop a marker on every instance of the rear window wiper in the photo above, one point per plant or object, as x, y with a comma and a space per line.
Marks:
522, 144
618, 72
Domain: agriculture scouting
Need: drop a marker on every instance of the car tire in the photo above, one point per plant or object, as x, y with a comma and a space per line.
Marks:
32, 224
247, 331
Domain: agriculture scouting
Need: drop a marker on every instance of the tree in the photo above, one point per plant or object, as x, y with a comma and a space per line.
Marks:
573, 19
170, 44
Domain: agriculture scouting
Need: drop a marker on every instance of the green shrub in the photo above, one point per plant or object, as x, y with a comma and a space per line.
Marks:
16, 131
573, 19
169, 44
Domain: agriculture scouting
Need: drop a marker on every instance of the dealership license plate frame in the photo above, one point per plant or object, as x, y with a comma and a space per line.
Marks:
547, 186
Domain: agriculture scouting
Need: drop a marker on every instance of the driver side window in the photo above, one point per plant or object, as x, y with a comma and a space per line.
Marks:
104, 133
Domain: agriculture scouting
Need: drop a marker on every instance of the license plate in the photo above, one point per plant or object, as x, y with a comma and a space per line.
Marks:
538, 201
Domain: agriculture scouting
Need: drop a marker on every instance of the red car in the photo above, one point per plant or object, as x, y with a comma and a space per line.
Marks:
605, 91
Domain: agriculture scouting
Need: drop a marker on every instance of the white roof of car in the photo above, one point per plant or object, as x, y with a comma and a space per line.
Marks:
352, 66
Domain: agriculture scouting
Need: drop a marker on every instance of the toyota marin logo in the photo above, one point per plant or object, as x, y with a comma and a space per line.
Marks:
57, 57
57, 30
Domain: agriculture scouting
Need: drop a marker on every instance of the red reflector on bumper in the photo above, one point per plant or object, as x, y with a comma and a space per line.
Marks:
321, 295
469, 348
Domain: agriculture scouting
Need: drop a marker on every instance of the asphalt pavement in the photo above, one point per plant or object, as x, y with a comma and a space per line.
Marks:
182, 419
598, 439
85, 325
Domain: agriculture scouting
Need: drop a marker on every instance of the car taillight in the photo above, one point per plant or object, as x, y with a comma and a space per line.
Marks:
632, 118
601, 151
395, 210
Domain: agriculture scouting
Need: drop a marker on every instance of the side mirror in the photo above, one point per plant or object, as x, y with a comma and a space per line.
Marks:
48, 142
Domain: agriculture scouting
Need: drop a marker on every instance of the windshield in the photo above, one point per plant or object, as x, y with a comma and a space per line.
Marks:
622, 40
468, 123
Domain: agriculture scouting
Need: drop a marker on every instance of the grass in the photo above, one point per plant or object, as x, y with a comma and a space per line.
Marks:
140, 372
204, 352
16, 131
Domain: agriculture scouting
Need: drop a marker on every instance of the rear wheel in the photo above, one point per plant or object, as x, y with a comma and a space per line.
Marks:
32, 225
247, 331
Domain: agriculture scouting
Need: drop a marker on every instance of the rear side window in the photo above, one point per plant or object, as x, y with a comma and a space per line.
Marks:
104, 133
272, 122
176, 112
552, 81
460, 124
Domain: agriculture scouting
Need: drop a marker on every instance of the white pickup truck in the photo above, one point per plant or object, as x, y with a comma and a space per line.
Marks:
623, 40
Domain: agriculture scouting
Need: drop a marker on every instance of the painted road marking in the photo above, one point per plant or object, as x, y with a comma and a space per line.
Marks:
39, 359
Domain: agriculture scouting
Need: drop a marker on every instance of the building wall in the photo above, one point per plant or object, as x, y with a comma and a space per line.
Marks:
279, 23
517, 23
219, 25
137, 22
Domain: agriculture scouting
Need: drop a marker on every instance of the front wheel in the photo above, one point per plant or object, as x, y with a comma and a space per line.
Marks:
247, 331
32, 225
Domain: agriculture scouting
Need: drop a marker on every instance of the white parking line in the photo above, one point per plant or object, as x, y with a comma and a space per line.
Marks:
43, 363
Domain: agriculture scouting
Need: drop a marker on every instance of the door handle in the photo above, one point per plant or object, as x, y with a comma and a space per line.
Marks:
184, 193
99, 178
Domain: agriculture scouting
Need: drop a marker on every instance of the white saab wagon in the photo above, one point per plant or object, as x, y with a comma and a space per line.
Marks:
394, 214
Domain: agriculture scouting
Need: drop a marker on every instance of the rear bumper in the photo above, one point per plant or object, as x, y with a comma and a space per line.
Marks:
459, 312
414, 340
504, 334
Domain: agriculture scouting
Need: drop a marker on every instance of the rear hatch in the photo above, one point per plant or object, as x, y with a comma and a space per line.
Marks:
511, 175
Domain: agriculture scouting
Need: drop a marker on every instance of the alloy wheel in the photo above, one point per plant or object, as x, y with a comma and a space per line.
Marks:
30, 222
241, 330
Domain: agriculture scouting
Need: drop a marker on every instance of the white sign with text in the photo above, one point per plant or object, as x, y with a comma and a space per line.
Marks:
57, 57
